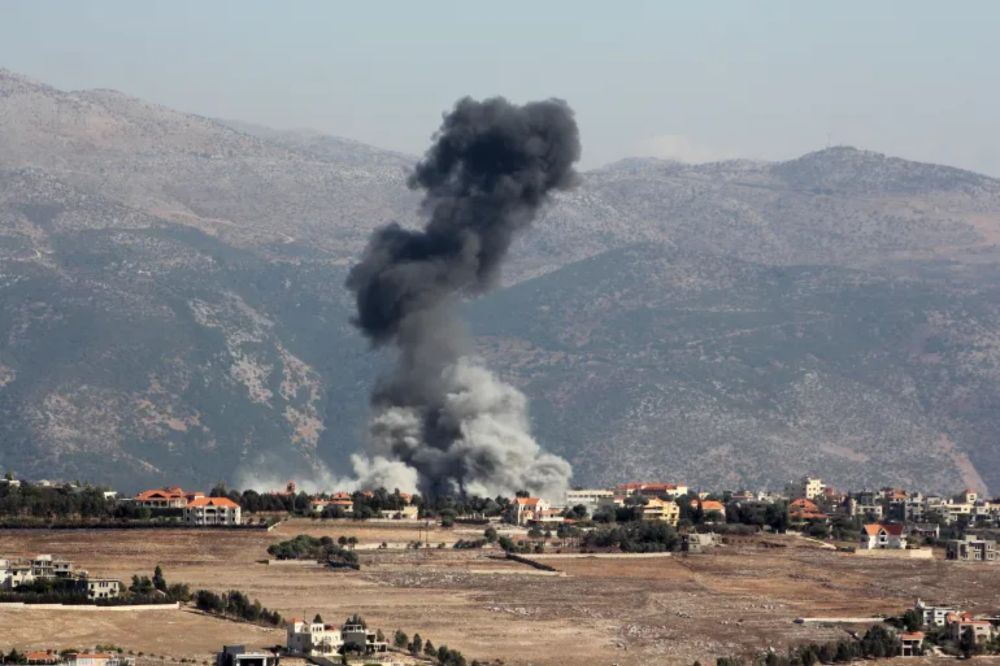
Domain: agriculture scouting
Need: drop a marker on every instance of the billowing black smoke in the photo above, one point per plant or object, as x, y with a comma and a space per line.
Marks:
440, 412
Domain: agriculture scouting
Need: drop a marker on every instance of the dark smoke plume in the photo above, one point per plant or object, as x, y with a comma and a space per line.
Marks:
440, 413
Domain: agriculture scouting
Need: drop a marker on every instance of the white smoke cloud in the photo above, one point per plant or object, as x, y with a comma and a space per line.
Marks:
369, 474
493, 451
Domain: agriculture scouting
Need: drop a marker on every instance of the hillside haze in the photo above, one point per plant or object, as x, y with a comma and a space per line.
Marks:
173, 308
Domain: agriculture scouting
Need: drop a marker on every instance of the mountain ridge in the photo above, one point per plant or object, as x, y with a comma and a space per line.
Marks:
173, 307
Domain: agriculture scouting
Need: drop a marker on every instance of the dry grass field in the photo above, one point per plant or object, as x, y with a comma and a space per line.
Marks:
670, 610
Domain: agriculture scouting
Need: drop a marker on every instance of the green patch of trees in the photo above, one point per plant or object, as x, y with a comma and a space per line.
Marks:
635, 537
321, 549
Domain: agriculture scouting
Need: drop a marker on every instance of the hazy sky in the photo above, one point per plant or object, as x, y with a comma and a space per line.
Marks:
695, 80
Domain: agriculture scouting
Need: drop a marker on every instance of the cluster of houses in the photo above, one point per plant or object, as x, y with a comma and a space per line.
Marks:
956, 623
17, 572
196, 508
343, 502
315, 641
893, 518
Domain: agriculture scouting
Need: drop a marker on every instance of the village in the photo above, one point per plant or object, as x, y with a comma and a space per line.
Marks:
638, 519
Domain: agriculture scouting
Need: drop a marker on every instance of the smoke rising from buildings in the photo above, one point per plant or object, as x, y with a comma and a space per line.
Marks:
440, 412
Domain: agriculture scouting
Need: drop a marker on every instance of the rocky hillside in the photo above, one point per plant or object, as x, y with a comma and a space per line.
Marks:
172, 307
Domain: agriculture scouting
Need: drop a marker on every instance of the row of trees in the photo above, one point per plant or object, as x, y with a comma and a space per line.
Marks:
877, 643
235, 604
442, 654
28, 500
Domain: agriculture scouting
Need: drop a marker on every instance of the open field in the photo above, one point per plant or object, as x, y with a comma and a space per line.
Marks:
600, 611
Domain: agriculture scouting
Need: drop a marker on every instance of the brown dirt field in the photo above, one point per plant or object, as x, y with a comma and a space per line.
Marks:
624, 611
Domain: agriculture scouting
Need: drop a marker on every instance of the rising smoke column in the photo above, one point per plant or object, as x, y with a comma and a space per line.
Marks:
440, 412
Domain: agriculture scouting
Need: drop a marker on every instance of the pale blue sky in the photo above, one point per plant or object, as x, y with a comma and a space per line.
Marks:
695, 80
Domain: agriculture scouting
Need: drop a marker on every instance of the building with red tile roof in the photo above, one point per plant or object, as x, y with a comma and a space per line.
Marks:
883, 536
203, 511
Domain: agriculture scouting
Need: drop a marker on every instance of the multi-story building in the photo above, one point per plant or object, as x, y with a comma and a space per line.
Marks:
808, 487
15, 573
358, 638
590, 498
934, 616
958, 623
528, 509
312, 639
911, 643
666, 511
972, 549
212, 511
100, 588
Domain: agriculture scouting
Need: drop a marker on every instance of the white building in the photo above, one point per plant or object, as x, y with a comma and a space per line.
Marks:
101, 588
212, 511
934, 616
806, 487
528, 509
313, 639
590, 498
883, 536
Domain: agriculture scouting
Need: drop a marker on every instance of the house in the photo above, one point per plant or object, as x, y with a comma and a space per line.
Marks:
958, 623
911, 644
883, 536
933, 616
100, 588
807, 487
527, 509
802, 510
317, 639
164, 498
340, 500
212, 511
408, 512
358, 638
550, 516
238, 655
42, 657
709, 507
44, 566
922, 531
971, 549
666, 511
312, 639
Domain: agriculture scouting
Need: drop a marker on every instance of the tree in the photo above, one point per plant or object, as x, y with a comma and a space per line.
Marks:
429, 649
416, 644
967, 643
490, 534
912, 620
159, 582
318, 619
400, 639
